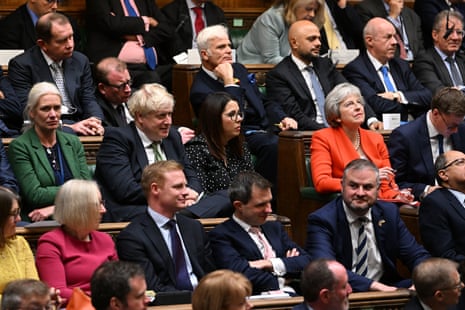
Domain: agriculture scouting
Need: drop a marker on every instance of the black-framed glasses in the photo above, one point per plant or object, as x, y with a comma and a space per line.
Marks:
121, 86
15, 212
449, 127
235, 115
455, 162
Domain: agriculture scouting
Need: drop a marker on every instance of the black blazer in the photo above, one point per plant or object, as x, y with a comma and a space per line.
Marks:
142, 242
120, 161
111, 116
177, 14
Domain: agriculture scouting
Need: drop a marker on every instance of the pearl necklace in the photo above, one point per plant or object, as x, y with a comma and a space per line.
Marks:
357, 141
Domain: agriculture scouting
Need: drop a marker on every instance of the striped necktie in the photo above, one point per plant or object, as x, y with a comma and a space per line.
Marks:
361, 266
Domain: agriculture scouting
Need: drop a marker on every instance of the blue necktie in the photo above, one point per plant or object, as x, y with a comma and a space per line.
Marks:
319, 94
440, 144
183, 281
150, 55
387, 81
361, 266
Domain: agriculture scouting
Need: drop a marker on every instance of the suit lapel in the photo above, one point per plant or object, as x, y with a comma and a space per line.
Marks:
344, 239
423, 136
377, 216
139, 149
40, 155
443, 72
69, 73
29, 26
455, 204
377, 83
68, 154
247, 241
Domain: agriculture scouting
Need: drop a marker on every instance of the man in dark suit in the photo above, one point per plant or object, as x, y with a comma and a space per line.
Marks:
140, 36
406, 23
172, 249
290, 84
443, 65
437, 284
219, 73
54, 60
182, 17
386, 82
19, 26
427, 11
249, 244
324, 286
11, 110
440, 129
113, 91
126, 151
364, 234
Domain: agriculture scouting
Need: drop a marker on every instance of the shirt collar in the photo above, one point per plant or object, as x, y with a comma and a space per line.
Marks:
191, 4
146, 142
299, 63
441, 54
351, 217
33, 15
159, 219
210, 73
241, 223
375, 62
50, 60
432, 131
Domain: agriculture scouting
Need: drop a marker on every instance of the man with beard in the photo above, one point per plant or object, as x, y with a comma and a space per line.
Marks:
387, 82
301, 81
321, 278
364, 234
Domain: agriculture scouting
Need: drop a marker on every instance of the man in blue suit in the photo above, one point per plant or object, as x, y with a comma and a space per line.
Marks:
54, 60
414, 147
250, 244
364, 234
324, 286
387, 83
219, 73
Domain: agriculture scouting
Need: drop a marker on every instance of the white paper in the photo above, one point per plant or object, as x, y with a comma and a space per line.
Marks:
391, 120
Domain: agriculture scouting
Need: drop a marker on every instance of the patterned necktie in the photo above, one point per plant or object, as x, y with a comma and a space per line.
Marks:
60, 83
157, 155
440, 144
387, 81
319, 94
150, 54
199, 23
455, 74
361, 266
402, 50
267, 249
183, 281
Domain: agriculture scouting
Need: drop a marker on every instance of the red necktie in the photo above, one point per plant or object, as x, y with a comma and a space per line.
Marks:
199, 24
403, 52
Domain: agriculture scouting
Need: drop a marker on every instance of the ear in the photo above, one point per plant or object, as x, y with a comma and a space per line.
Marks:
154, 188
325, 296
443, 175
369, 40
115, 304
438, 295
293, 43
237, 205
41, 44
101, 88
434, 35
204, 55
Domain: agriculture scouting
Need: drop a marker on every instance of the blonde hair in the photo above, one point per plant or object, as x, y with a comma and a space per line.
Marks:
36, 92
290, 7
150, 98
77, 204
219, 289
155, 173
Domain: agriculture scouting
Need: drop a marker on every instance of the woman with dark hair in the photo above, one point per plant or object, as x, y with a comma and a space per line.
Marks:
219, 152
17, 261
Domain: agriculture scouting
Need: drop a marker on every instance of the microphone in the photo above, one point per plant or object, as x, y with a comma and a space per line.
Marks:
448, 30
181, 23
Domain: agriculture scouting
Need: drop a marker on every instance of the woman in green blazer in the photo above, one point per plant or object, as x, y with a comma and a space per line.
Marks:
43, 157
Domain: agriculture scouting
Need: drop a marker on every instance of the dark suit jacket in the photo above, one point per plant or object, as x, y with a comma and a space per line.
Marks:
442, 218
328, 236
142, 242
30, 67
412, 23
233, 248
431, 71
11, 110
107, 25
413, 304
286, 85
302, 306
19, 31
7, 178
427, 11
120, 162
178, 16
111, 116
258, 110
348, 24
414, 161
34, 172
362, 73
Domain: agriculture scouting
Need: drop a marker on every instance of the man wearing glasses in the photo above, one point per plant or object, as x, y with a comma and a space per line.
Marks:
19, 27
442, 213
442, 65
414, 147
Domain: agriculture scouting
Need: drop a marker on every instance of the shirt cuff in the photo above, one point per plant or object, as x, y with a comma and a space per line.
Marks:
279, 269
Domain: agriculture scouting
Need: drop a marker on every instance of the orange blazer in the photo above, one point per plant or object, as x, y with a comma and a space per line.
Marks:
332, 150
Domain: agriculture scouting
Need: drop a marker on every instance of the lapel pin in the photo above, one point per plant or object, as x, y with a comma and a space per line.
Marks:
381, 223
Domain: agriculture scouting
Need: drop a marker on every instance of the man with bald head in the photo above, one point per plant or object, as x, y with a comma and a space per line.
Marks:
386, 82
301, 80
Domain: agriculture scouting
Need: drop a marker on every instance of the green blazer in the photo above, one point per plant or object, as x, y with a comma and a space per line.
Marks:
34, 172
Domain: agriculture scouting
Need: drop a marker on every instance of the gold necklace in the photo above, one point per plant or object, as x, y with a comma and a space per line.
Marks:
357, 141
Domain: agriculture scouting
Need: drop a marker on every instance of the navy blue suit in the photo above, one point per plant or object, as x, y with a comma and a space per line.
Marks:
142, 242
233, 248
302, 306
7, 178
442, 218
29, 68
328, 236
262, 144
410, 154
11, 110
362, 73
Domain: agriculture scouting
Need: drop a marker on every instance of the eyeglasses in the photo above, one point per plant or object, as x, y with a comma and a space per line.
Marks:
455, 162
53, 1
121, 86
15, 212
449, 127
458, 32
235, 115
458, 286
